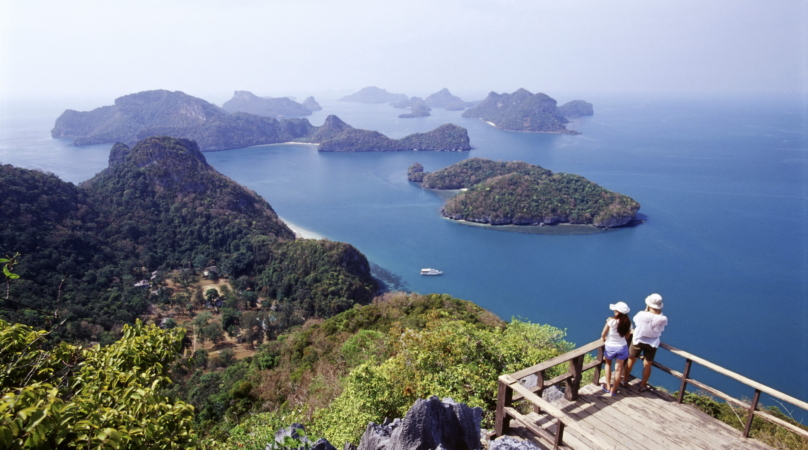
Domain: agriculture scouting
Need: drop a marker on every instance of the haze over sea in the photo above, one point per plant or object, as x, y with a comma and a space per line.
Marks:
723, 186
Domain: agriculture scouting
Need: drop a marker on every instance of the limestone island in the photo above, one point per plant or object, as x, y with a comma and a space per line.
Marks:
417, 106
521, 111
311, 104
444, 99
576, 108
517, 193
247, 102
372, 94
137, 116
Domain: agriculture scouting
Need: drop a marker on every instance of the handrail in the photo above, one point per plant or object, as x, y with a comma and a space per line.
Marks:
511, 390
737, 377
752, 408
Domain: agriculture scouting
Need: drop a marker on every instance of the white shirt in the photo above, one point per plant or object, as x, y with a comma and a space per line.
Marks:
613, 338
648, 327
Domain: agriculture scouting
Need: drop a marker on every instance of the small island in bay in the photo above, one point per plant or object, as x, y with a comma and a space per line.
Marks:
164, 113
517, 193
247, 102
311, 104
576, 108
337, 136
417, 106
444, 99
373, 94
522, 111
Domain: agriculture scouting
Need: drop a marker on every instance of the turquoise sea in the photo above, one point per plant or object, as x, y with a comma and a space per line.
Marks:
723, 186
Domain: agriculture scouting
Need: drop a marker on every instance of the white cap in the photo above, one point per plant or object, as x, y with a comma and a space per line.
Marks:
620, 307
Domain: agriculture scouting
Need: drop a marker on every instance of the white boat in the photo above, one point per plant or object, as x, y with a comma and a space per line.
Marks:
431, 272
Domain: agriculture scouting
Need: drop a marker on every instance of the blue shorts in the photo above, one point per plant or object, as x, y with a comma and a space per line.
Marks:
620, 353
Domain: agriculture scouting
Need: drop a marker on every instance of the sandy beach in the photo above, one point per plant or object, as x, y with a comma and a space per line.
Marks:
300, 232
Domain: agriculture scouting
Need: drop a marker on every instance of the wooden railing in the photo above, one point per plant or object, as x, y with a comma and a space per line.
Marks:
511, 390
752, 408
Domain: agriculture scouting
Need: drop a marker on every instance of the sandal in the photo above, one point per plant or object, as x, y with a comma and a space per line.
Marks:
603, 386
646, 388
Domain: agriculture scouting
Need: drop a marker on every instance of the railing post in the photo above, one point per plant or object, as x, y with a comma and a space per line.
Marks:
559, 437
685, 376
572, 385
540, 384
598, 368
502, 421
752, 409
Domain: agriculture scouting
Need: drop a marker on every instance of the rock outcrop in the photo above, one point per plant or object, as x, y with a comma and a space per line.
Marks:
427, 425
509, 443
311, 104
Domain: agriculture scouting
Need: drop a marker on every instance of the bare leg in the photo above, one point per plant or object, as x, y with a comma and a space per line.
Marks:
629, 366
646, 373
619, 368
608, 374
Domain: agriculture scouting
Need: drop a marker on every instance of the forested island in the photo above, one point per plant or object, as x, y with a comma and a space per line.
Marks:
159, 207
523, 111
247, 102
373, 94
337, 136
517, 193
444, 99
137, 116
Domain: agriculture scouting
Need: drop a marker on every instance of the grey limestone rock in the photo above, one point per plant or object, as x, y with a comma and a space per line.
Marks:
509, 443
429, 424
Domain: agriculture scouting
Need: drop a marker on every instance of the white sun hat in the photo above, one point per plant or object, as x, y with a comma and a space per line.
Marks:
620, 307
654, 301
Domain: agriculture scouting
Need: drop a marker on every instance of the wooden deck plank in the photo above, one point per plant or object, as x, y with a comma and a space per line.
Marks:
651, 435
689, 417
660, 411
572, 439
648, 420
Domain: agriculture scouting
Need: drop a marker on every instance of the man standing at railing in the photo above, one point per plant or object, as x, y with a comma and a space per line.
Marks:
648, 328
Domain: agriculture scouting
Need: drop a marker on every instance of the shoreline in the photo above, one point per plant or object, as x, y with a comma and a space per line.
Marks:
556, 229
300, 232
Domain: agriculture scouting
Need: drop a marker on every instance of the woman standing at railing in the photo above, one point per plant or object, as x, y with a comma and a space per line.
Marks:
616, 346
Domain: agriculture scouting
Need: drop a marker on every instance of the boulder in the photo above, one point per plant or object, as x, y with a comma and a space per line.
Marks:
509, 443
429, 424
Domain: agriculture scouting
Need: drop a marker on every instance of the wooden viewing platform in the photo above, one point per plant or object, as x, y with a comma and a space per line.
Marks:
589, 418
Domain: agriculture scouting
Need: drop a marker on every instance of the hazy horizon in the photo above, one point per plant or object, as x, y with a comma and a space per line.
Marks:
98, 51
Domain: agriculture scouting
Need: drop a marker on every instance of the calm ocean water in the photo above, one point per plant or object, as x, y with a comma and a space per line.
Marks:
723, 187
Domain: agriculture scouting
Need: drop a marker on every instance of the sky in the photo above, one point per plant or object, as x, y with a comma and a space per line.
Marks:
92, 49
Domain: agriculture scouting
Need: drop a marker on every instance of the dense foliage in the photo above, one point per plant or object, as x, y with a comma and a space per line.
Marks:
518, 193
369, 363
319, 278
415, 173
520, 111
158, 207
472, 171
247, 102
62, 396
